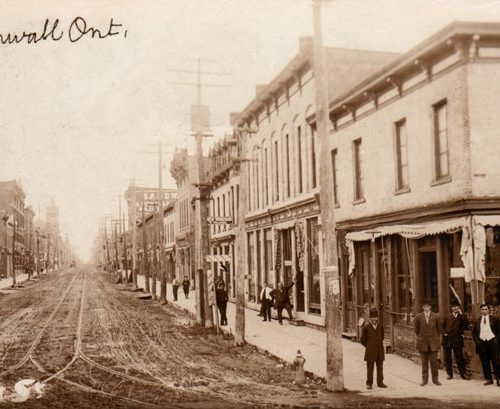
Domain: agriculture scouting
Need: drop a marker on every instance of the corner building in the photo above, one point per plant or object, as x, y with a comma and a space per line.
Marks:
414, 160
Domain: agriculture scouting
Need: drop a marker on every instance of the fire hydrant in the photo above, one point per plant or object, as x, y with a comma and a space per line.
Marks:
299, 361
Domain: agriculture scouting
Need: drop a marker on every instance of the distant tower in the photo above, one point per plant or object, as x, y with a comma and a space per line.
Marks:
53, 218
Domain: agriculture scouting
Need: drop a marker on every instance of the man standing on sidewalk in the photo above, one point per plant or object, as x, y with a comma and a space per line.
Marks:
428, 343
486, 335
281, 297
267, 302
453, 327
175, 287
372, 338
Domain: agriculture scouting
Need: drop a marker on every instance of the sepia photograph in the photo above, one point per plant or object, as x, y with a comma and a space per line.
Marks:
239, 204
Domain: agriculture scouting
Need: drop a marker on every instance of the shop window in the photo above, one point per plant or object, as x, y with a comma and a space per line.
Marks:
268, 256
492, 269
313, 266
250, 254
405, 281
459, 290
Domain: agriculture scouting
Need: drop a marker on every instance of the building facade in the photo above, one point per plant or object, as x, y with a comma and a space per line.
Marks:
415, 173
223, 212
12, 208
282, 186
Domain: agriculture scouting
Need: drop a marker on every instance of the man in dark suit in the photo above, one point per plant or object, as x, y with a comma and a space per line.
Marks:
281, 297
452, 328
372, 338
428, 343
486, 335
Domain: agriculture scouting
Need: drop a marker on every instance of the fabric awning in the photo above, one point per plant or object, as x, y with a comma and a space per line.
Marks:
411, 231
416, 231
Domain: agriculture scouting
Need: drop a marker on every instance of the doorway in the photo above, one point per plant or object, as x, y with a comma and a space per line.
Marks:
429, 279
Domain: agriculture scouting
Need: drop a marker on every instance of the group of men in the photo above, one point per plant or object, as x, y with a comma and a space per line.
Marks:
429, 328
279, 298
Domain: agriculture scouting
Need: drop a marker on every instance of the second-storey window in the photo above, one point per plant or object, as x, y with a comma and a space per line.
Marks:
358, 174
441, 154
401, 155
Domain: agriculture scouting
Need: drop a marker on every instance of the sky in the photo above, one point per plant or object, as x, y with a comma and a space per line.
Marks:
77, 119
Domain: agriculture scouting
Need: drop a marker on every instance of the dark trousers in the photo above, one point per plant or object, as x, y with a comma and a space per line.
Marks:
222, 306
380, 372
175, 288
186, 292
280, 308
488, 353
426, 357
266, 309
459, 357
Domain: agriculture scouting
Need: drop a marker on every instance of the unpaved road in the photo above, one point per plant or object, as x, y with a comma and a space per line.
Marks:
95, 345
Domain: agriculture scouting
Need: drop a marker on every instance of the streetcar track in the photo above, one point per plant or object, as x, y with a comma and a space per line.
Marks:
37, 339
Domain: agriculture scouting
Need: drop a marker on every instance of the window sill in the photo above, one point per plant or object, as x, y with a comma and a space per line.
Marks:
358, 201
442, 181
402, 190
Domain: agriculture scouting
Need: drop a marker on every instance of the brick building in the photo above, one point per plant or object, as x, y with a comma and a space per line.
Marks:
12, 210
414, 160
223, 211
282, 215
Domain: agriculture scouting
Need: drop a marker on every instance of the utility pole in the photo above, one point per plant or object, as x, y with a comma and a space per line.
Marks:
134, 235
155, 257
333, 321
145, 258
37, 253
201, 229
117, 262
14, 284
241, 269
163, 278
199, 122
125, 254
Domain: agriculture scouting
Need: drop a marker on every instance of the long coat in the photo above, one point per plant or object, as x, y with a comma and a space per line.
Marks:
454, 328
427, 333
373, 341
476, 330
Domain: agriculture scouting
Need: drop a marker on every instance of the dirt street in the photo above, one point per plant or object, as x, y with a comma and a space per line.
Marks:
93, 344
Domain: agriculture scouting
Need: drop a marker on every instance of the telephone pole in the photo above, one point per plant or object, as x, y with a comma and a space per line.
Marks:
333, 321
134, 235
145, 258
200, 129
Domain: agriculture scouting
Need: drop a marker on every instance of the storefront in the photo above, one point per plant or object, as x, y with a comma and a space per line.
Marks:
397, 268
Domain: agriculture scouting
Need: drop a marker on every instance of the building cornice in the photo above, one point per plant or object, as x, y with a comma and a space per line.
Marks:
420, 214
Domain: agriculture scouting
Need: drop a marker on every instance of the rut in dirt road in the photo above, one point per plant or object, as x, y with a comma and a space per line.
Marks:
91, 336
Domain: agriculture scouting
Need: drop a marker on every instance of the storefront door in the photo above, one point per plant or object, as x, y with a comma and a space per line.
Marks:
429, 279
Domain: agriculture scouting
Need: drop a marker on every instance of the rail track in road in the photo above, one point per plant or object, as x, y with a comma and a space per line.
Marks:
100, 340
38, 337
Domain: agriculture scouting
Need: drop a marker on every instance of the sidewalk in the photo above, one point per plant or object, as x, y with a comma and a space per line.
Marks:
401, 375
6, 283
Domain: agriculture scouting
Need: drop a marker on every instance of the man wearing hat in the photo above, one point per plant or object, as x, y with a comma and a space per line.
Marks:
453, 327
428, 343
372, 338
